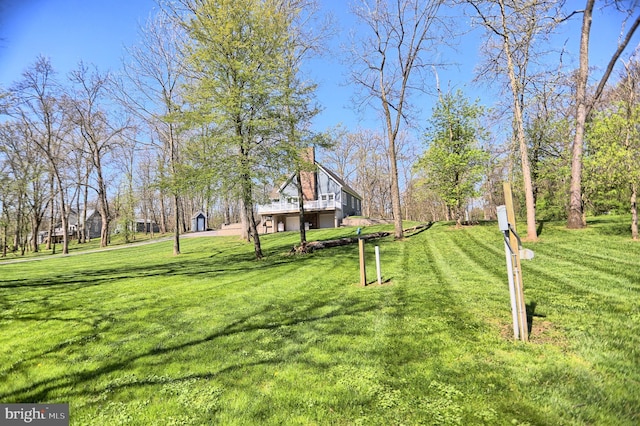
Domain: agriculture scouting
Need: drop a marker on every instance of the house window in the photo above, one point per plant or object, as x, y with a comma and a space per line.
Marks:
293, 200
327, 197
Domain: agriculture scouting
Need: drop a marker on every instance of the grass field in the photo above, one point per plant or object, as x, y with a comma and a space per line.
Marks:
137, 336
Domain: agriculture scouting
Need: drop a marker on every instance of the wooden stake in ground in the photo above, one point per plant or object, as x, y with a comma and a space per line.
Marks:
517, 268
363, 269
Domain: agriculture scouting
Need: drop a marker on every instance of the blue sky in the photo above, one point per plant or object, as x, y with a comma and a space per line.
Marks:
67, 31
95, 31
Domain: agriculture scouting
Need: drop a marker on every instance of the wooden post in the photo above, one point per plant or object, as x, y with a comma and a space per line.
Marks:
363, 269
517, 268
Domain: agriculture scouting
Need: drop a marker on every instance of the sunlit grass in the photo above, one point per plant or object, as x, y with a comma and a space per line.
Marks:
138, 336
117, 240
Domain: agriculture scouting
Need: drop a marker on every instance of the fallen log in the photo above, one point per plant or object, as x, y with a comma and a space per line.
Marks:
318, 245
415, 229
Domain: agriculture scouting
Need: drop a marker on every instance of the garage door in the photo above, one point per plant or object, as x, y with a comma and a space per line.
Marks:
327, 221
292, 223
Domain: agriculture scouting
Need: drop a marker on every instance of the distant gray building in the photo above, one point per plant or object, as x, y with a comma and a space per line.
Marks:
199, 222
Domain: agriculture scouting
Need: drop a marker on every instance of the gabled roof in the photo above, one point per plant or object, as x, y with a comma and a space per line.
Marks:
340, 182
329, 173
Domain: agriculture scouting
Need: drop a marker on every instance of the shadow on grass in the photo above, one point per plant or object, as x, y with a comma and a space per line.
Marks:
531, 314
263, 318
100, 276
420, 231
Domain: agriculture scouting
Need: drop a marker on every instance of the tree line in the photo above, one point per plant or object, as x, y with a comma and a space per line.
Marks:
212, 108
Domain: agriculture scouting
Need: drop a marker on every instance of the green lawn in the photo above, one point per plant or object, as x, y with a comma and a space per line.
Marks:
138, 336
117, 241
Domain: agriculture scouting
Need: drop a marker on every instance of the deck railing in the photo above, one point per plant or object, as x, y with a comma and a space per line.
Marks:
286, 207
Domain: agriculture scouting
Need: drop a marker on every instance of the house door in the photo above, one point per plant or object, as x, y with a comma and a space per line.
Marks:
200, 226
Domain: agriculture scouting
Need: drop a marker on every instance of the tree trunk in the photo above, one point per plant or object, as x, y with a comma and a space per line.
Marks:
244, 221
303, 232
145, 214
176, 231
395, 191
103, 203
253, 228
64, 219
35, 228
575, 220
250, 227
51, 213
393, 160
519, 133
634, 212
5, 229
83, 223
163, 215
79, 218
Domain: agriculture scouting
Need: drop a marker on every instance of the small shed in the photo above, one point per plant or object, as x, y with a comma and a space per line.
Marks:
199, 222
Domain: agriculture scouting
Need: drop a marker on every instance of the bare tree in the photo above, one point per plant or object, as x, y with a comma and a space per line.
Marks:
514, 29
151, 89
584, 104
99, 131
38, 107
360, 158
401, 33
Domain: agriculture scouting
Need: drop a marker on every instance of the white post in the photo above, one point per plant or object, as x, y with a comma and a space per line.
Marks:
512, 290
378, 265
503, 224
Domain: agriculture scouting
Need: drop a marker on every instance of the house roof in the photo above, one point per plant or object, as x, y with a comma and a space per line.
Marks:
331, 174
342, 183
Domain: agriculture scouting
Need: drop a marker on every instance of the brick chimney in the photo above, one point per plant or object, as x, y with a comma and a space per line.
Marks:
308, 175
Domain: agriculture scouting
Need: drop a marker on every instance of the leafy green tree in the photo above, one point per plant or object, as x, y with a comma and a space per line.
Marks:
584, 104
548, 130
244, 90
454, 162
613, 159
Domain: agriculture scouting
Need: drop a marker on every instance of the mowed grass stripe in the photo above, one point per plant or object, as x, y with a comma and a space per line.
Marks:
613, 266
214, 337
476, 271
585, 280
